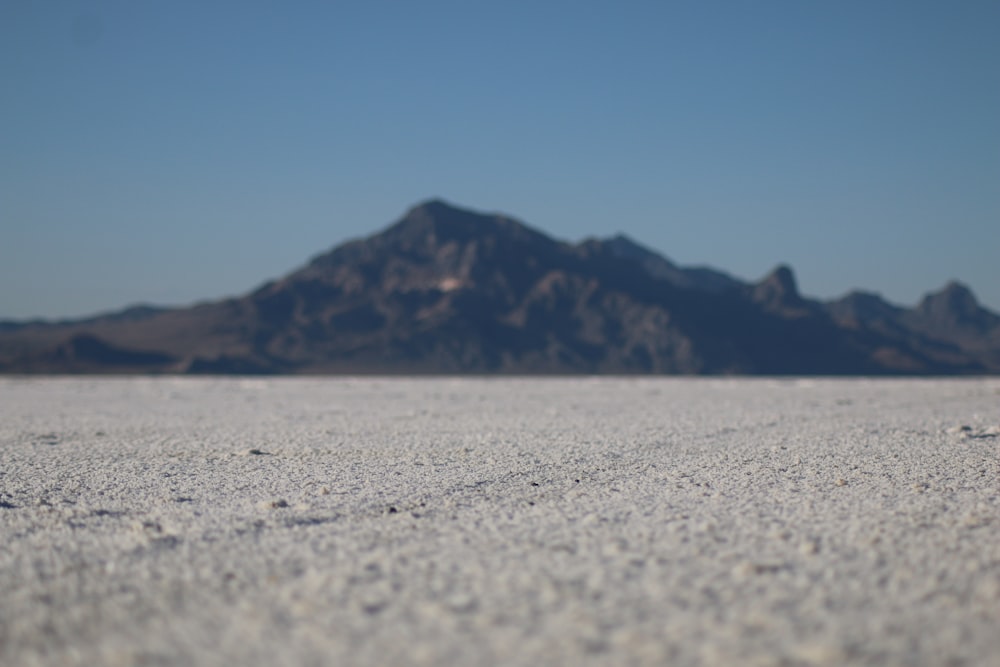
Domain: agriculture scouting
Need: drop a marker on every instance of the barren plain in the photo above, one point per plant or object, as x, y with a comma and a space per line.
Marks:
376, 521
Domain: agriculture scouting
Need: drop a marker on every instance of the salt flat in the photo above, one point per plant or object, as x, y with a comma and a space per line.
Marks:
359, 521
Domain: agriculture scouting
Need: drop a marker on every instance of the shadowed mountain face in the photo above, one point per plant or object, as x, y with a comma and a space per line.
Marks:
446, 290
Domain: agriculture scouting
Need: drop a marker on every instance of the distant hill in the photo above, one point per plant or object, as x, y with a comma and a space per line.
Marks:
447, 290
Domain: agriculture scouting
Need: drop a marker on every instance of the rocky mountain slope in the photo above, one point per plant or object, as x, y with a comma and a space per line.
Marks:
447, 290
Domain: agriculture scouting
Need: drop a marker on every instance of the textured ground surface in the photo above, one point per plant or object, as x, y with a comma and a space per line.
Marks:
520, 522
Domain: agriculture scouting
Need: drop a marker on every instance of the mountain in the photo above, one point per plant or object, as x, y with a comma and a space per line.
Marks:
447, 290
948, 326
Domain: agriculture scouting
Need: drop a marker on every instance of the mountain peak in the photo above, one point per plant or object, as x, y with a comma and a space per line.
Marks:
959, 290
432, 227
436, 222
778, 289
954, 310
783, 277
434, 206
439, 221
952, 302
780, 281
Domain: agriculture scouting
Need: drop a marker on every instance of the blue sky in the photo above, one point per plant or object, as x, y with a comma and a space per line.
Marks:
167, 152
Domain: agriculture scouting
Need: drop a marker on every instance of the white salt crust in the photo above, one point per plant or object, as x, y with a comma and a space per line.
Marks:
580, 521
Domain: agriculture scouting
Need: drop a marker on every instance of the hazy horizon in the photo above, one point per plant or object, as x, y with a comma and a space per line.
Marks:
168, 154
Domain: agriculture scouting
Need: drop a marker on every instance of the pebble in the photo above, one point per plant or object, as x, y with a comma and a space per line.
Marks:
809, 548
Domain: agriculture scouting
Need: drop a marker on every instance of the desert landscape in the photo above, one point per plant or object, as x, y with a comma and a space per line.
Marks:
500, 334
484, 521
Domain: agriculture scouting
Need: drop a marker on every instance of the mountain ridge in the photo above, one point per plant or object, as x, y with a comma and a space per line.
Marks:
450, 290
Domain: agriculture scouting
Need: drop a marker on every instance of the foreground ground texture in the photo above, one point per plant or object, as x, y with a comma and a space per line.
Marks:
481, 521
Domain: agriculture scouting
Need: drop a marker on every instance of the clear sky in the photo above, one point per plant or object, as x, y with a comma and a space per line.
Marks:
166, 152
